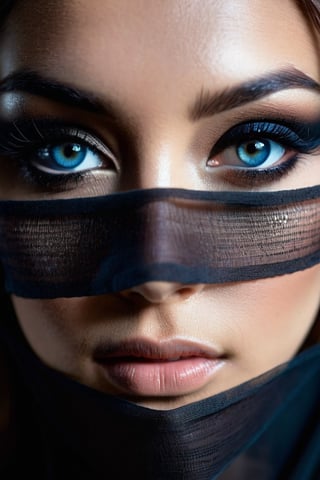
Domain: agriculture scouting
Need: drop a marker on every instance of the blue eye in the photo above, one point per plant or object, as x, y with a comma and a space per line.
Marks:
253, 153
259, 152
69, 155
67, 158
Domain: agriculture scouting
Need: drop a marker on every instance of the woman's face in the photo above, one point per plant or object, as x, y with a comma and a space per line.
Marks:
148, 63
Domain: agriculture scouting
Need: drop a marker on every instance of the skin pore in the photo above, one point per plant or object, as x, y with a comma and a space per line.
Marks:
150, 61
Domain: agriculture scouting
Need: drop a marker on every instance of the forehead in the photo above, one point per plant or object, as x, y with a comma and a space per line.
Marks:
153, 46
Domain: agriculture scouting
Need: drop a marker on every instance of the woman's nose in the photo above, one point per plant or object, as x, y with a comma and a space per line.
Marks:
159, 292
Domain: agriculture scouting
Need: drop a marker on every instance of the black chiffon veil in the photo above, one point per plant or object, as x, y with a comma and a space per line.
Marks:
91, 246
266, 428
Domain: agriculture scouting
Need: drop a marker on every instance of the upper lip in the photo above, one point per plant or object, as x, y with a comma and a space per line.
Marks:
172, 349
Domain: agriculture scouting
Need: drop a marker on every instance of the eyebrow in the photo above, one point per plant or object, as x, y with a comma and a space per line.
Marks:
206, 104
34, 83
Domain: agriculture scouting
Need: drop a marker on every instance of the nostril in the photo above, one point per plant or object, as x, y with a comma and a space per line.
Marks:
159, 292
187, 292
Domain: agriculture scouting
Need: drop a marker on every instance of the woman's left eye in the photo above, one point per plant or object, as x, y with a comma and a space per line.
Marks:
254, 153
66, 158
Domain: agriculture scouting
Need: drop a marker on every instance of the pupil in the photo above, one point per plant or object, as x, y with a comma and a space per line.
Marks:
254, 153
71, 150
255, 147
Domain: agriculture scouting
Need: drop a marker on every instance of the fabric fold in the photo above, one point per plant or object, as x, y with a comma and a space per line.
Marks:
109, 435
81, 247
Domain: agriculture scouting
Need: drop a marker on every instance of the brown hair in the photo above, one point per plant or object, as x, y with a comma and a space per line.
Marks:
311, 9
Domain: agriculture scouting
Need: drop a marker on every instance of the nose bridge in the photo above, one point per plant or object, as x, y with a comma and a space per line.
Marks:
164, 240
162, 156
161, 245
162, 163
157, 165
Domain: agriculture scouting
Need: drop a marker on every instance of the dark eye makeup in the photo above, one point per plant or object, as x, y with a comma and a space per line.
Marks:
53, 155
266, 149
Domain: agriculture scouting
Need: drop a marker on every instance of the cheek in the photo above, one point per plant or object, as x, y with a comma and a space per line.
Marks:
275, 316
54, 330
260, 323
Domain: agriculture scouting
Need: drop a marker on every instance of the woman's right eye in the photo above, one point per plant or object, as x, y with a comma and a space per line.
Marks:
53, 156
67, 158
48, 151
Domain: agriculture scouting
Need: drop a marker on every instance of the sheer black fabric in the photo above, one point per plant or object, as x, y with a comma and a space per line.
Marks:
266, 429
91, 246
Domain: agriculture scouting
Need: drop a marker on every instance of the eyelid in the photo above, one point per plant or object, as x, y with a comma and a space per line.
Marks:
74, 134
294, 133
25, 135
300, 137
231, 156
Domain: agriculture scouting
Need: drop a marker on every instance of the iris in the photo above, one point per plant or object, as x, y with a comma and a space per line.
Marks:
254, 152
68, 155
67, 158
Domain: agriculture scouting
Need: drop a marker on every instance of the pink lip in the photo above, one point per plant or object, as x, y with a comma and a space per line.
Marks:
145, 368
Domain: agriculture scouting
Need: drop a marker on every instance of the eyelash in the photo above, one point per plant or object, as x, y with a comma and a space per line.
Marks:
20, 140
301, 138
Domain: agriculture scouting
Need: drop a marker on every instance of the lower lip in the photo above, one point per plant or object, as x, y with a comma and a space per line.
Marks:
161, 378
